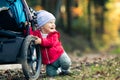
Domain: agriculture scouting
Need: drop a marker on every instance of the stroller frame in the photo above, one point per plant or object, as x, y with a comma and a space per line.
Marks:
19, 48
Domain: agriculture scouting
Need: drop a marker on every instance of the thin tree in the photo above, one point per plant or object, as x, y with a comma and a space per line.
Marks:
69, 16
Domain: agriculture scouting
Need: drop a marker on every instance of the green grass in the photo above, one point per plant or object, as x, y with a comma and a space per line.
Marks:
116, 50
102, 70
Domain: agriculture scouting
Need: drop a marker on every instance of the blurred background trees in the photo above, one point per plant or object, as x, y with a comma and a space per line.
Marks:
97, 21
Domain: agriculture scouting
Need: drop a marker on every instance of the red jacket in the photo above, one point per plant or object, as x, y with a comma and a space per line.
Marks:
51, 47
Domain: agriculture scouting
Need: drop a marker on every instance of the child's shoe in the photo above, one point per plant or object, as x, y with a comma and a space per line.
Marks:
65, 73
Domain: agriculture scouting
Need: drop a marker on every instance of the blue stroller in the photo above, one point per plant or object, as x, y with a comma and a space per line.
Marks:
16, 45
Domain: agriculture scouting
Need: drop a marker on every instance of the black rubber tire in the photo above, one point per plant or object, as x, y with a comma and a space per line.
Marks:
31, 58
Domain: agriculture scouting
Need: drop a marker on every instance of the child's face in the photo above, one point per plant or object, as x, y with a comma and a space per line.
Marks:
49, 27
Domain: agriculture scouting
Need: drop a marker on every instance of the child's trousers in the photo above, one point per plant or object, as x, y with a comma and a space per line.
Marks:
62, 63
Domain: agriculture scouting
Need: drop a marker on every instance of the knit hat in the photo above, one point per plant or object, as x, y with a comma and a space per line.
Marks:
43, 17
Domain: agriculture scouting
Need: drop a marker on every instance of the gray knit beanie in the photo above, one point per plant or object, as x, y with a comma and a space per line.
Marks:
43, 17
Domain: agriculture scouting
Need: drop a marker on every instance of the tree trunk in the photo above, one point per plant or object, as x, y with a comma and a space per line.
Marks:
89, 23
69, 16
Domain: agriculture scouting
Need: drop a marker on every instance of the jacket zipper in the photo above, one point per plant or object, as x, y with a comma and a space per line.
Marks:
47, 56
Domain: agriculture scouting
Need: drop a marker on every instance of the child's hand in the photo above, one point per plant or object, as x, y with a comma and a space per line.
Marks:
38, 40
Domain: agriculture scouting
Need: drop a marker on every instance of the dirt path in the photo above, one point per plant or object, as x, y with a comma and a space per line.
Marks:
10, 66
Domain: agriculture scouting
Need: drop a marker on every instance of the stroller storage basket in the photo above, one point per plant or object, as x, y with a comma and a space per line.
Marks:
9, 49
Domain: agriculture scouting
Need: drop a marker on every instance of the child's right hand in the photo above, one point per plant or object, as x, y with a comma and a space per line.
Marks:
38, 40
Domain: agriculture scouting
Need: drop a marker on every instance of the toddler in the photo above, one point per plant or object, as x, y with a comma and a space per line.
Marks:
53, 54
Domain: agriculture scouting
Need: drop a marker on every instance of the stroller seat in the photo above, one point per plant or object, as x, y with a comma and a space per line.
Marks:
12, 15
7, 20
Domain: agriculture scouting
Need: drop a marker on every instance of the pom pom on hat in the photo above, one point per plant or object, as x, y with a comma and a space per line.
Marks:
43, 17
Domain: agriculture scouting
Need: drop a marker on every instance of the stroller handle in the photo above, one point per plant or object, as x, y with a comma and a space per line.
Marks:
27, 10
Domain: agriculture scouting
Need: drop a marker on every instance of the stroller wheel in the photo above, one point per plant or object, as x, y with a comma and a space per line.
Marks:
31, 58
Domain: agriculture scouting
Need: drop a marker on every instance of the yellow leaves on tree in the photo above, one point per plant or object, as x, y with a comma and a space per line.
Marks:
112, 25
38, 7
76, 11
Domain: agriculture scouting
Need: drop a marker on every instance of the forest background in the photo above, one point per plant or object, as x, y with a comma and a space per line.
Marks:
85, 25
